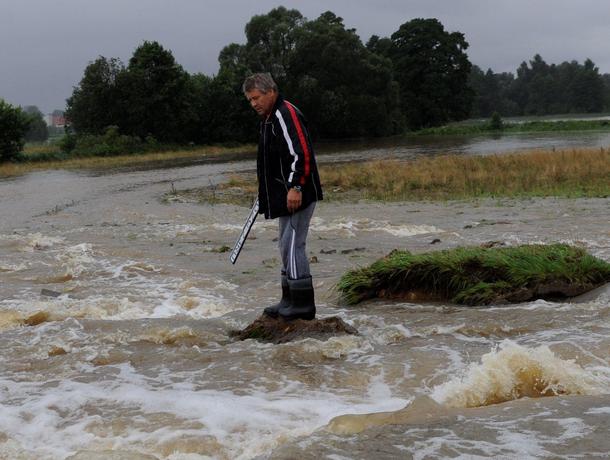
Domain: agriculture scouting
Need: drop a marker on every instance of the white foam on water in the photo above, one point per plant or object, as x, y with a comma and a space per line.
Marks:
344, 227
511, 371
435, 443
55, 420
134, 295
391, 334
227, 227
349, 227
5, 267
200, 230
599, 247
99, 287
76, 259
259, 226
514, 439
439, 330
539, 304
598, 411
573, 428
404, 230
337, 347
521, 443
32, 241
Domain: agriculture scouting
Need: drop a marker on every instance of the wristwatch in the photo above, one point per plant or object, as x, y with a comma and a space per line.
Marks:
297, 188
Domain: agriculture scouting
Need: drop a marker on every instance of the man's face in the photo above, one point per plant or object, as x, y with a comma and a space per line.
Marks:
261, 102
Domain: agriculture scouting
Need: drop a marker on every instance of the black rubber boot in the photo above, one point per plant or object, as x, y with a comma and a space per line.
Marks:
302, 304
284, 302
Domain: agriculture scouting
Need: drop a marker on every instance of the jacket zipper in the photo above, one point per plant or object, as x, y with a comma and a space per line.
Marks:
265, 169
283, 177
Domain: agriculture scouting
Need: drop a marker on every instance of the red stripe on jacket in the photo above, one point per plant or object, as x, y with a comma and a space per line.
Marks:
297, 123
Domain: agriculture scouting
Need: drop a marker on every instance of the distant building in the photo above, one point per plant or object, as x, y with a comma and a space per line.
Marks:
58, 119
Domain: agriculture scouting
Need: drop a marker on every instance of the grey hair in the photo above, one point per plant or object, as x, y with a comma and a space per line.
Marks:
260, 81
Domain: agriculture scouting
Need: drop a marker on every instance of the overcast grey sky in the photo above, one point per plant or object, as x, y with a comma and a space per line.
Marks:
46, 44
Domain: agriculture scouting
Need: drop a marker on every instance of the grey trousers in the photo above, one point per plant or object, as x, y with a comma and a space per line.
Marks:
292, 238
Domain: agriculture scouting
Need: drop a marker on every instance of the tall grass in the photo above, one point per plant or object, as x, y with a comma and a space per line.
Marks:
578, 172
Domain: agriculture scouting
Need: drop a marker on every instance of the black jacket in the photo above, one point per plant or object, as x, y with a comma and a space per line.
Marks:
285, 159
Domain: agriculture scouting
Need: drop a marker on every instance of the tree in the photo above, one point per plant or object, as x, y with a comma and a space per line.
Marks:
606, 97
381, 46
38, 131
432, 69
14, 124
496, 122
588, 91
541, 88
96, 102
492, 93
345, 89
156, 95
271, 42
269, 47
222, 112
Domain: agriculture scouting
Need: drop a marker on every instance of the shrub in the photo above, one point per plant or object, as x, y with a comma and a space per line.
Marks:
496, 122
14, 124
110, 143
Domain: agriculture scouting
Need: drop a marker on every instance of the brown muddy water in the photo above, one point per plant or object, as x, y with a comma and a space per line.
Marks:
133, 359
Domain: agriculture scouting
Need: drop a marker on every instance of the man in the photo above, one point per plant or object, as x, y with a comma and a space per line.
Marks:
288, 188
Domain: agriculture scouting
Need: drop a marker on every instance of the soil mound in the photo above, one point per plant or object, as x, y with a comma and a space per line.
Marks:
277, 330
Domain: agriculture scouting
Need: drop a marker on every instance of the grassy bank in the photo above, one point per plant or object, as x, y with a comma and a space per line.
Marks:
56, 160
573, 173
570, 173
460, 129
478, 276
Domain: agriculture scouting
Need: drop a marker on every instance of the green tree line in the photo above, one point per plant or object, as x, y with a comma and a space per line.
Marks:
539, 88
346, 88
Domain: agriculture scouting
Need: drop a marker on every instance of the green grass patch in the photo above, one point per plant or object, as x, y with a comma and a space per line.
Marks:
485, 127
478, 276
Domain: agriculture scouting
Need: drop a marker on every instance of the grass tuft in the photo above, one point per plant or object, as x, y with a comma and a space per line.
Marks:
478, 276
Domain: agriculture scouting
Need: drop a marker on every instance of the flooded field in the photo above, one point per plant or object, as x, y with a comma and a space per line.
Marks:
133, 356
413, 146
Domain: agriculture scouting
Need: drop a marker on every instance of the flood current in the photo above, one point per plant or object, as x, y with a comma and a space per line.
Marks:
133, 360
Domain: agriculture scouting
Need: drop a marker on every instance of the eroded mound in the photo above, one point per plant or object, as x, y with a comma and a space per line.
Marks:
478, 276
277, 330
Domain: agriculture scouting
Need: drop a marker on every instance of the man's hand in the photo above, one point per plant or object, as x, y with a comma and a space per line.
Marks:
294, 200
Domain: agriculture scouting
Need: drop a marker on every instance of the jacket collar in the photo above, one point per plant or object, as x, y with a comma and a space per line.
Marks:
278, 102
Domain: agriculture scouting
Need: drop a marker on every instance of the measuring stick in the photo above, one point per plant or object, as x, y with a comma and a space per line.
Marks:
244, 233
